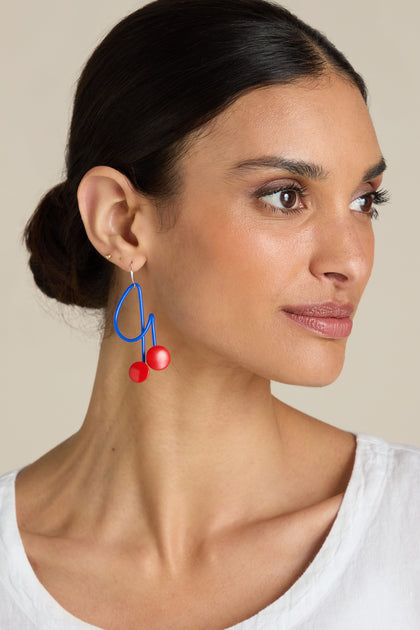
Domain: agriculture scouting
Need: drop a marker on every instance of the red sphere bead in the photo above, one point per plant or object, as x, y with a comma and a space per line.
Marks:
158, 358
139, 372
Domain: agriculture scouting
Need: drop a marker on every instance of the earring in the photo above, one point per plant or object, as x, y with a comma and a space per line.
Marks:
157, 357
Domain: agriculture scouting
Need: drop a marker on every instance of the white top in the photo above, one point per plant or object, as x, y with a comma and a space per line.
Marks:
365, 576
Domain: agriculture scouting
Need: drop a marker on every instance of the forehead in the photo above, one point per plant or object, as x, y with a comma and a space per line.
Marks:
324, 121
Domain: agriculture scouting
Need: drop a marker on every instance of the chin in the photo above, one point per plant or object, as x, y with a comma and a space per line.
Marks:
317, 380
321, 380
313, 370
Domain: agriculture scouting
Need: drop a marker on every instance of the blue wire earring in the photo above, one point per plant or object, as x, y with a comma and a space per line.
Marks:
157, 357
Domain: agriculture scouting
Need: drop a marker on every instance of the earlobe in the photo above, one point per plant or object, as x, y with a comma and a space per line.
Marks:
109, 207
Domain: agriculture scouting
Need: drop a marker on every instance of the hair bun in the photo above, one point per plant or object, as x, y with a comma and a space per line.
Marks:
64, 264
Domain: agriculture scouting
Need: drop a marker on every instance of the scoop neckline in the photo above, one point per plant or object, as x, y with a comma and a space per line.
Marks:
330, 561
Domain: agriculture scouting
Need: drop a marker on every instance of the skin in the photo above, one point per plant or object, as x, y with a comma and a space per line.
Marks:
196, 498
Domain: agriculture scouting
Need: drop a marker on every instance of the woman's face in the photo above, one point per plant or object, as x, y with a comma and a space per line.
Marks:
273, 245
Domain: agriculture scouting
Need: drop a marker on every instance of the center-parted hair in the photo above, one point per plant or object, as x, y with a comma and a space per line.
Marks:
160, 74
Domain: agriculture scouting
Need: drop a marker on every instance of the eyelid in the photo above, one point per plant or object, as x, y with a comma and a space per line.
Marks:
376, 181
279, 188
380, 196
280, 184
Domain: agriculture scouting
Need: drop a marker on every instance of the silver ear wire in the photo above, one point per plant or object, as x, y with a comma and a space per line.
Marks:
157, 357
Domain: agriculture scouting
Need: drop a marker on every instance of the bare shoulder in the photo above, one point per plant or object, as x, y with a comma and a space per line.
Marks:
38, 483
323, 455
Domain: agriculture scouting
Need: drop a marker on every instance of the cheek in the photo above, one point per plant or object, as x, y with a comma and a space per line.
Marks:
367, 240
370, 249
220, 280
223, 287
206, 275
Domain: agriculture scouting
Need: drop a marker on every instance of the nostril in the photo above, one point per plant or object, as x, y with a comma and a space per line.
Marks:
336, 276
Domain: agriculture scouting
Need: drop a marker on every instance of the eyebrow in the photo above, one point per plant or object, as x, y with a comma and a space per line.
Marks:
375, 170
295, 167
300, 167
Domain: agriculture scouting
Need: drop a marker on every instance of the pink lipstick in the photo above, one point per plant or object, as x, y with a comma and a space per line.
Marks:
327, 319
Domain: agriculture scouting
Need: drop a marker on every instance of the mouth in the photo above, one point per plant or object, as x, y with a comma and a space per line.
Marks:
327, 319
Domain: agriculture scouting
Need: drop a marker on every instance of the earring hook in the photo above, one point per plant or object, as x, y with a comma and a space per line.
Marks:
157, 357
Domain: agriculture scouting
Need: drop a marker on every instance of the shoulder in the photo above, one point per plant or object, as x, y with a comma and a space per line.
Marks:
394, 470
7, 491
7, 508
11, 585
401, 461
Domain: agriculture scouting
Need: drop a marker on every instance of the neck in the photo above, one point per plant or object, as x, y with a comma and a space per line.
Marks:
214, 457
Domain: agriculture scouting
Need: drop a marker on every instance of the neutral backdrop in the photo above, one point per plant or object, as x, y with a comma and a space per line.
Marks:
49, 353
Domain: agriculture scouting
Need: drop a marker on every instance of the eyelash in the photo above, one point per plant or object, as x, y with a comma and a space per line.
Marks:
379, 197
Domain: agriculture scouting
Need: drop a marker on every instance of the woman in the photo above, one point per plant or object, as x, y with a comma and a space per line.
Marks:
212, 175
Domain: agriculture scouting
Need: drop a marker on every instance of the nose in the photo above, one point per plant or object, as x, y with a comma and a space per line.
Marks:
343, 249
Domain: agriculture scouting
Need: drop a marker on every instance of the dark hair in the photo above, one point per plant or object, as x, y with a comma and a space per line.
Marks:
161, 73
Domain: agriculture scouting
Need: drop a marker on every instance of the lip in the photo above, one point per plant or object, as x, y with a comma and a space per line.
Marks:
328, 319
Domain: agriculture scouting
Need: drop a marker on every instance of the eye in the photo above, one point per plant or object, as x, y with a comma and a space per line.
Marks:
366, 203
363, 204
287, 199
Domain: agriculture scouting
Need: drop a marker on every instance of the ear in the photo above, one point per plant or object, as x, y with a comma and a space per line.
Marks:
110, 208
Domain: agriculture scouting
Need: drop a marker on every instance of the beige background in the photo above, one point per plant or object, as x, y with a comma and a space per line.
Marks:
49, 353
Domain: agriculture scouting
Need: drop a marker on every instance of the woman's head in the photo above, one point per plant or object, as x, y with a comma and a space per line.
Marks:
158, 77
273, 243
